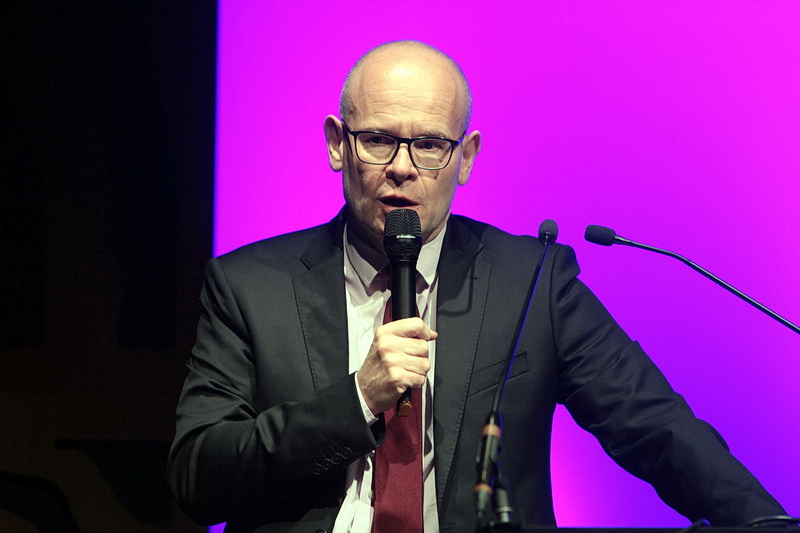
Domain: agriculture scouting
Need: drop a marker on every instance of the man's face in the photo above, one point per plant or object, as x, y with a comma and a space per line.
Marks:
409, 98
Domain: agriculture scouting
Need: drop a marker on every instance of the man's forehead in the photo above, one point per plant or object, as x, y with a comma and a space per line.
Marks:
408, 78
419, 82
391, 64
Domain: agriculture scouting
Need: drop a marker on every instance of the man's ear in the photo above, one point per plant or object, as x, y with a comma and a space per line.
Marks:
334, 136
469, 149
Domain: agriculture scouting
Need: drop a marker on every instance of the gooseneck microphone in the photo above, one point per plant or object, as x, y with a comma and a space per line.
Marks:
489, 486
548, 233
402, 241
607, 237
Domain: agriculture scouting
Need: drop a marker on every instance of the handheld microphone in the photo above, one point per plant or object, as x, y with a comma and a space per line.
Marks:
607, 237
402, 241
487, 485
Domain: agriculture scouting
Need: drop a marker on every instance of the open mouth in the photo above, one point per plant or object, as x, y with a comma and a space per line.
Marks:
397, 202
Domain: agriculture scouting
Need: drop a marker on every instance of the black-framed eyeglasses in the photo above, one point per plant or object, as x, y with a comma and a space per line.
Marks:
426, 153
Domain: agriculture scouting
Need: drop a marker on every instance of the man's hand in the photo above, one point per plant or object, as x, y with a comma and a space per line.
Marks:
397, 360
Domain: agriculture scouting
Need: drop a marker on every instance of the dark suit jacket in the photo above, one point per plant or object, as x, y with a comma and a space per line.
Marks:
269, 418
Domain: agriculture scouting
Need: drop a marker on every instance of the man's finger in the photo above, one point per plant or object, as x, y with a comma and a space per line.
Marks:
413, 327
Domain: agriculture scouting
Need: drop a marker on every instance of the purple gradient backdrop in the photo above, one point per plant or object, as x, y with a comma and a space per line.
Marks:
675, 122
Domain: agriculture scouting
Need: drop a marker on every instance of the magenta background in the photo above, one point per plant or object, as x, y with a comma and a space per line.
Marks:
676, 123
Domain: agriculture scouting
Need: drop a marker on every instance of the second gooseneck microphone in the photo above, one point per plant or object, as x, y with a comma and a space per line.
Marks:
607, 236
402, 241
489, 487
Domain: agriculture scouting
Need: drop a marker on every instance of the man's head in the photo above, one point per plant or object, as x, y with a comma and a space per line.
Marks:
405, 89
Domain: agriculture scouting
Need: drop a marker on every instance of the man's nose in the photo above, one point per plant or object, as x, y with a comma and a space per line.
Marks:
401, 168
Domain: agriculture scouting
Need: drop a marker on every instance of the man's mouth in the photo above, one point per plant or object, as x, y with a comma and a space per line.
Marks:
397, 202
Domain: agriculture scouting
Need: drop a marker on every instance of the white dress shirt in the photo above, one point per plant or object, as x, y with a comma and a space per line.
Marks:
367, 292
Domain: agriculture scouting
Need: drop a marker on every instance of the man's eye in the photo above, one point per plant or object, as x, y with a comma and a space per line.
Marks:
379, 139
430, 145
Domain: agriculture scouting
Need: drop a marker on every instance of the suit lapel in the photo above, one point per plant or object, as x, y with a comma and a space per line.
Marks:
320, 295
463, 284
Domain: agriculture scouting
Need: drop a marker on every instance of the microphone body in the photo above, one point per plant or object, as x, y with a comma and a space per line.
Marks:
402, 241
607, 236
487, 464
404, 287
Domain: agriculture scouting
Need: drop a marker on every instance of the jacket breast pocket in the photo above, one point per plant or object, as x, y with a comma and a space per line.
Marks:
489, 376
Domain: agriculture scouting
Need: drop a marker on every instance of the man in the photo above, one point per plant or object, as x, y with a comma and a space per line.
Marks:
294, 378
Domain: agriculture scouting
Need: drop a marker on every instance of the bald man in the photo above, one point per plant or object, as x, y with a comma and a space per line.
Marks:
294, 377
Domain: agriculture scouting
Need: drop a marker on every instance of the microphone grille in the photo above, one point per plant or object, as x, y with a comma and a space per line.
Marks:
548, 231
600, 235
402, 233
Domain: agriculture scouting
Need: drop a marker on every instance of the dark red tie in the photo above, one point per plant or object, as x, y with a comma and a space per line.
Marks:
398, 470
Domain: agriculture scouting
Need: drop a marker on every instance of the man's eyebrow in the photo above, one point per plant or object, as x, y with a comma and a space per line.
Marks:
435, 134
425, 133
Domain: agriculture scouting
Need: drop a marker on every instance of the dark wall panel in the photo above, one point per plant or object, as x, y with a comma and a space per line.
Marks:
106, 184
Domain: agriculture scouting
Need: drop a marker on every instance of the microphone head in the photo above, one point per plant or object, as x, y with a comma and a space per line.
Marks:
402, 234
548, 231
600, 235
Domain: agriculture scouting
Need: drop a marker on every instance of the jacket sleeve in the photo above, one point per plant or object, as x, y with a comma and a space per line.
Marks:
613, 390
230, 451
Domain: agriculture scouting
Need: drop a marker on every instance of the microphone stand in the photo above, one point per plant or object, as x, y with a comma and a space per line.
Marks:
490, 484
